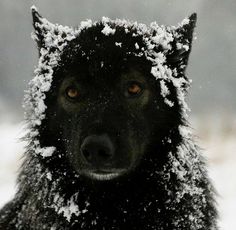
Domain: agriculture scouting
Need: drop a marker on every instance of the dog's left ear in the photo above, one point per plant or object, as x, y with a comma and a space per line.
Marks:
182, 44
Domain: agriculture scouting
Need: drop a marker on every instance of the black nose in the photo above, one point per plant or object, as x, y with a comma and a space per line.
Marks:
97, 150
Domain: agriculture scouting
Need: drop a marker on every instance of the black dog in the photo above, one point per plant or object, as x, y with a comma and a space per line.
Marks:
109, 145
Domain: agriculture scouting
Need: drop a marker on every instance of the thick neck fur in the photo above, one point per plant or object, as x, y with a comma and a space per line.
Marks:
146, 200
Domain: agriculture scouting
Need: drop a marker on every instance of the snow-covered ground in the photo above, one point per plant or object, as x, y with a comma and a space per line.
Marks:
10, 154
216, 137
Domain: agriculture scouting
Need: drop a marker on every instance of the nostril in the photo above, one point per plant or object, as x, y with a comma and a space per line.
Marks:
86, 154
104, 153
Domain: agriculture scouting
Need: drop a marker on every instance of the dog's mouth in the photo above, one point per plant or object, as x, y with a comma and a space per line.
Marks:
105, 175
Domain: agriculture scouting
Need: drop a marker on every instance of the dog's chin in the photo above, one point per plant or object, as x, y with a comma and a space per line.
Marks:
100, 175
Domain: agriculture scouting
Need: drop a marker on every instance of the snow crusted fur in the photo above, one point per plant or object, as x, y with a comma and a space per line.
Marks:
167, 189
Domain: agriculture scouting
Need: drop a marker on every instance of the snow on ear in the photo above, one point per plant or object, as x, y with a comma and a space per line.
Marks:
183, 36
50, 36
40, 27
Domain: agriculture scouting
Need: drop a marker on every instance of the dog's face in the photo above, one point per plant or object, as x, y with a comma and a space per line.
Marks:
105, 109
107, 119
107, 130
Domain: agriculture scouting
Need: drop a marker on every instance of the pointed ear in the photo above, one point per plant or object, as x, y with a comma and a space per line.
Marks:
38, 34
48, 35
45, 32
183, 36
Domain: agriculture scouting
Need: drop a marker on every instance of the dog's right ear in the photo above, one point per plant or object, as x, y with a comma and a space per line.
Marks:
38, 34
45, 32
49, 36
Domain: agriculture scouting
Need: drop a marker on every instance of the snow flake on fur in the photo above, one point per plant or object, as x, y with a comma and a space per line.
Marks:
68, 209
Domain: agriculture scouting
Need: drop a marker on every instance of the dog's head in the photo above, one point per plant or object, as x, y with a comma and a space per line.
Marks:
114, 91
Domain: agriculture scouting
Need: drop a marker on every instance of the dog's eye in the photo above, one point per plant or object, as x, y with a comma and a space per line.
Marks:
133, 89
72, 93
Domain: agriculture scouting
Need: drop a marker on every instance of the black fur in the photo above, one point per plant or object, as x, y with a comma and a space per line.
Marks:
148, 195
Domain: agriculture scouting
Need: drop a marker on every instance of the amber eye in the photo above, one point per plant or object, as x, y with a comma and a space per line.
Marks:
72, 93
134, 89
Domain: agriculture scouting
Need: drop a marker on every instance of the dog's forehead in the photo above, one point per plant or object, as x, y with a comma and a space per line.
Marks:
94, 76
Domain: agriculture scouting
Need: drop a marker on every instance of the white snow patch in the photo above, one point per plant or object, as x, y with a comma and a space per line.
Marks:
68, 208
46, 151
86, 24
164, 90
184, 22
182, 46
118, 44
185, 132
49, 175
169, 102
107, 30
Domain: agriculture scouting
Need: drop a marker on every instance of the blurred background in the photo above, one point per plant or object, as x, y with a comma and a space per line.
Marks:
212, 68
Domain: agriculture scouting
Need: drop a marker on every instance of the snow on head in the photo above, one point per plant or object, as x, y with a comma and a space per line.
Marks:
108, 30
54, 38
184, 22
